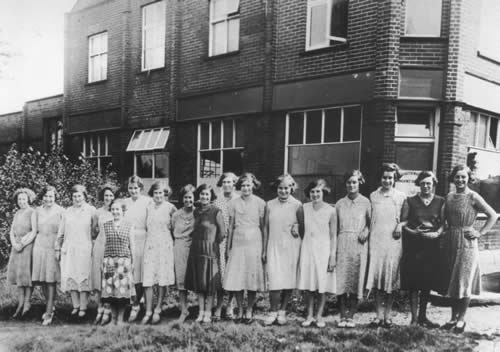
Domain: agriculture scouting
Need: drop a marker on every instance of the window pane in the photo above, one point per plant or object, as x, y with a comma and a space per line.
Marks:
228, 133
233, 34
414, 123
145, 165
423, 17
152, 139
104, 66
296, 128
161, 165
481, 137
317, 35
332, 125
134, 141
493, 131
219, 38
94, 146
352, 124
105, 163
210, 164
239, 127
102, 145
338, 25
414, 156
471, 129
219, 8
233, 162
162, 141
204, 135
233, 6
142, 142
216, 134
313, 126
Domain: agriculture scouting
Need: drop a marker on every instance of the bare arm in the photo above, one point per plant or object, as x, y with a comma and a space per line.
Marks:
402, 221
332, 261
492, 216
300, 220
363, 236
230, 231
60, 237
265, 234
13, 240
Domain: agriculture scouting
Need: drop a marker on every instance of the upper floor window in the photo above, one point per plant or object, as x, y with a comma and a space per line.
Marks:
224, 26
326, 23
153, 35
423, 18
489, 28
98, 57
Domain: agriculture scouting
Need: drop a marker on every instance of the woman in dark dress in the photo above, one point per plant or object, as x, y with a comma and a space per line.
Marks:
202, 273
421, 247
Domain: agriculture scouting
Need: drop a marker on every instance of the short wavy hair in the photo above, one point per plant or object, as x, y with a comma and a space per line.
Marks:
189, 188
356, 173
285, 178
160, 185
318, 183
225, 175
104, 188
79, 188
47, 189
461, 167
248, 176
203, 187
24, 190
119, 201
391, 167
136, 179
425, 174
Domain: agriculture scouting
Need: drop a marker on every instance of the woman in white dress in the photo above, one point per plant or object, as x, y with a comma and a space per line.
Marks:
135, 214
318, 251
284, 224
74, 248
158, 264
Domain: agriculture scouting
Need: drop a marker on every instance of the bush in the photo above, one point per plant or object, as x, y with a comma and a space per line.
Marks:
35, 170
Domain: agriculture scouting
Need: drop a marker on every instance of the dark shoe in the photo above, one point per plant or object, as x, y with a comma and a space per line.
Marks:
459, 327
449, 325
375, 323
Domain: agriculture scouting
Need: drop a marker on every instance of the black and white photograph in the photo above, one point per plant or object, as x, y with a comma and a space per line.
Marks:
250, 175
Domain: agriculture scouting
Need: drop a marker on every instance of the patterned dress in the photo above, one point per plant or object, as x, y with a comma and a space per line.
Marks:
75, 241
461, 255
385, 251
244, 270
183, 225
101, 216
117, 278
136, 215
19, 268
45, 266
202, 272
421, 255
352, 256
315, 251
158, 266
222, 203
283, 248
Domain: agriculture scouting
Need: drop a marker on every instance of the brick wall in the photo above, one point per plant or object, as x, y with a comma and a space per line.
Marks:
10, 130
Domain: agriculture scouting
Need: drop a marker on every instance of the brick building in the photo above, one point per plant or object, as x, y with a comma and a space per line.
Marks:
188, 89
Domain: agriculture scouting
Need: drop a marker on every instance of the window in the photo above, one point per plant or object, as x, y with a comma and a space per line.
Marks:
483, 132
153, 36
151, 165
415, 123
53, 128
423, 18
98, 57
150, 159
96, 149
224, 26
326, 23
220, 145
489, 28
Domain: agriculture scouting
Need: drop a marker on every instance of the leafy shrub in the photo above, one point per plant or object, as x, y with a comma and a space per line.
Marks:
35, 170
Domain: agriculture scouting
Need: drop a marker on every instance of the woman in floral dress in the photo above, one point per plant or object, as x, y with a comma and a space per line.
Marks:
20, 260
158, 265
353, 214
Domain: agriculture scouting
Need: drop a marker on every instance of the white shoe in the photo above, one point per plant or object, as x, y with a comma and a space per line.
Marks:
271, 318
282, 317
307, 323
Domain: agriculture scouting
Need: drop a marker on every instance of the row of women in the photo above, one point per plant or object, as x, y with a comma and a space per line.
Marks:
236, 242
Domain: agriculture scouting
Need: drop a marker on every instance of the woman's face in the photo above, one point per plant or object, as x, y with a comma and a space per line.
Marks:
108, 197
352, 185
49, 198
246, 188
22, 200
78, 198
116, 211
387, 180
228, 185
316, 194
188, 200
461, 179
134, 190
427, 186
205, 197
158, 196
284, 190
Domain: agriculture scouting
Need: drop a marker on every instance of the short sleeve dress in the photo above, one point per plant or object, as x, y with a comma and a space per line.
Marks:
45, 266
222, 203
420, 258
202, 272
385, 251
183, 225
101, 216
460, 255
158, 265
20, 263
283, 248
315, 251
353, 216
136, 215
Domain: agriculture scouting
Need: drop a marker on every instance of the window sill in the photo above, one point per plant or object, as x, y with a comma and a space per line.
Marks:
486, 56
221, 56
95, 83
326, 49
420, 39
148, 72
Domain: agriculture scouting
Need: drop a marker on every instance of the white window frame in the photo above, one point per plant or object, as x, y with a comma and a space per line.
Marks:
98, 154
496, 144
99, 57
221, 149
153, 167
440, 2
228, 17
328, 36
304, 132
158, 28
